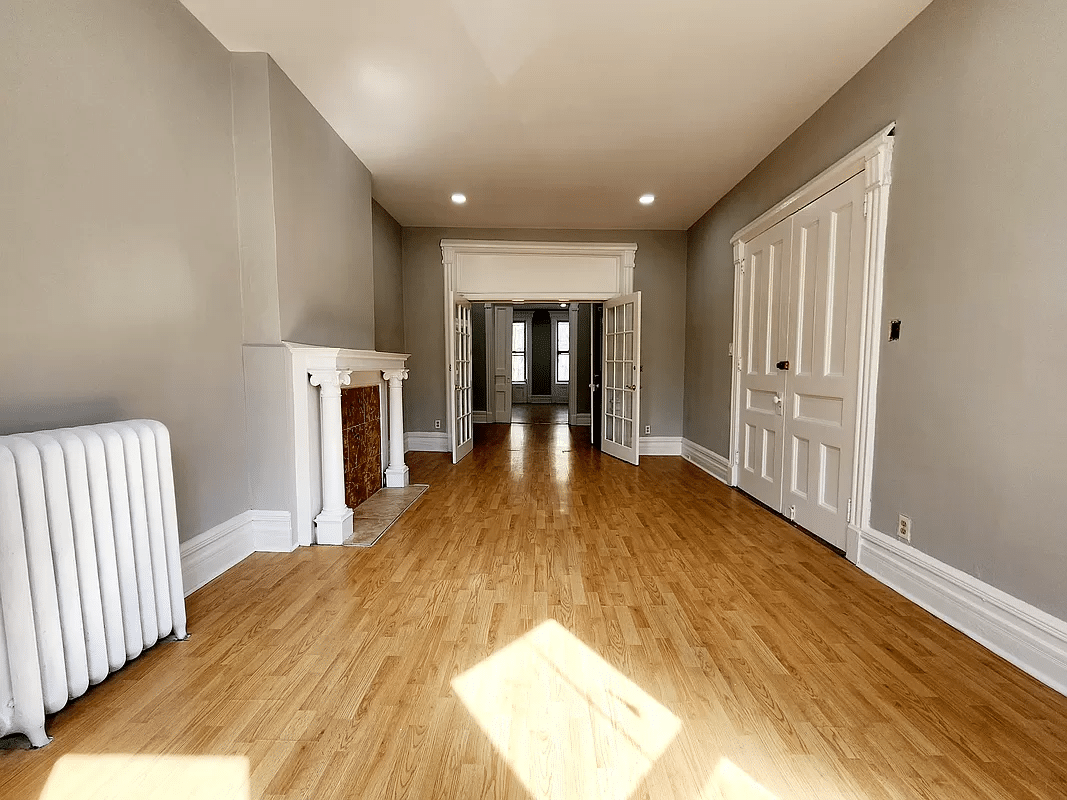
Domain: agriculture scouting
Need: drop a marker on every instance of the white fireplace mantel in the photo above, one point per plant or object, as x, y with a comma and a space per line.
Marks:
318, 374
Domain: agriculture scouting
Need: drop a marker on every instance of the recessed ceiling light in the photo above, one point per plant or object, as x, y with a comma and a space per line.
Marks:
459, 198
647, 199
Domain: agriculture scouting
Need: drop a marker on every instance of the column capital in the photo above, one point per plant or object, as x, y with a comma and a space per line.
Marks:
395, 375
331, 380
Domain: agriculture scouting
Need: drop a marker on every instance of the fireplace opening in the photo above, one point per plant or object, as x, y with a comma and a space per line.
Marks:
361, 432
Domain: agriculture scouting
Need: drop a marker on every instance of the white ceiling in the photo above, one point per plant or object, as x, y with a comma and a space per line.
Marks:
561, 113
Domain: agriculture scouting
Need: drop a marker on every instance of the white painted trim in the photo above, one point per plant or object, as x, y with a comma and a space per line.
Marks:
544, 289
427, 442
1028, 637
711, 462
660, 445
211, 553
874, 159
833, 176
583, 420
272, 532
480, 417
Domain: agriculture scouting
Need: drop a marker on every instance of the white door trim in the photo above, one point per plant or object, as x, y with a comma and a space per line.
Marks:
874, 158
502, 271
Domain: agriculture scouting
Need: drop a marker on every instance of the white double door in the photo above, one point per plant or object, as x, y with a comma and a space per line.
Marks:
800, 303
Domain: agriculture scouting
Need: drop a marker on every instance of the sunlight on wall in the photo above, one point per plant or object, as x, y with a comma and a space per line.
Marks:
567, 723
730, 782
148, 777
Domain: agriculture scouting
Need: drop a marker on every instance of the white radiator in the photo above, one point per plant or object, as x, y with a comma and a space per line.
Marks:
90, 573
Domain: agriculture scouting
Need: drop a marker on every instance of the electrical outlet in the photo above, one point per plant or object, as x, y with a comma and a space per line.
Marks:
904, 529
648, 430
437, 424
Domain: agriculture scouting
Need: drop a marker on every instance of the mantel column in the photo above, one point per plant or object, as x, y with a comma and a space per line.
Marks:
396, 476
334, 524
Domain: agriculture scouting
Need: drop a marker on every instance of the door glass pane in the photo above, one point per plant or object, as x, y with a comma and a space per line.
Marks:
518, 368
627, 434
628, 346
609, 428
518, 337
563, 367
628, 320
628, 405
563, 336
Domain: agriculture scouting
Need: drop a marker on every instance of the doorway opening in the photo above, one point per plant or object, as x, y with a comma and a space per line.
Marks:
547, 362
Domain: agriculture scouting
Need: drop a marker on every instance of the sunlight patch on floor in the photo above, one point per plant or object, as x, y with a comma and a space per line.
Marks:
567, 723
148, 777
730, 782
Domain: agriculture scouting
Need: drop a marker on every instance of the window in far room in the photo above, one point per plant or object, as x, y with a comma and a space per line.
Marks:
563, 352
518, 352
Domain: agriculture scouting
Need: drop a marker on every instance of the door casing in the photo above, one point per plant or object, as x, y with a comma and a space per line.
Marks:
506, 272
874, 158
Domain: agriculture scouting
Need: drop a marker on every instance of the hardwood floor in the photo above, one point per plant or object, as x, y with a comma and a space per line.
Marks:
547, 621
540, 414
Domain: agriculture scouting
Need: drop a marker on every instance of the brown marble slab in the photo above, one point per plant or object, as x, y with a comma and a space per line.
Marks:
361, 433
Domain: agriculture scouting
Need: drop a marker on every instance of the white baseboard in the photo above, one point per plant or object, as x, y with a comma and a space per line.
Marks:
1028, 637
583, 419
211, 553
427, 442
712, 463
272, 532
480, 417
660, 445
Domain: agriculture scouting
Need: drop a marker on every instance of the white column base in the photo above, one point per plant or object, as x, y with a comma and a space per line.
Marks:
333, 527
397, 478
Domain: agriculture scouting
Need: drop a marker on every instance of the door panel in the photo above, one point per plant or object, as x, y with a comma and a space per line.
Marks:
825, 301
621, 422
463, 419
762, 346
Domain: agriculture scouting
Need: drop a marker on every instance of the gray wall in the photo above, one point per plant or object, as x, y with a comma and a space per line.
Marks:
322, 200
118, 241
660, 276
975, 270
388, 283
479, 379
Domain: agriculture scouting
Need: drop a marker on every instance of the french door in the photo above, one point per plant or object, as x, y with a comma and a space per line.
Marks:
801, 297
621, 413
461, 399
763, 346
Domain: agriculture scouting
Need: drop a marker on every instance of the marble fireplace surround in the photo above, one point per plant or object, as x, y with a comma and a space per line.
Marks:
318, 375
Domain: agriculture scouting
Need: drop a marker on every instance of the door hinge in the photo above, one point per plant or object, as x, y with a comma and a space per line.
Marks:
737, 456
848, 511
866, 204
739, 363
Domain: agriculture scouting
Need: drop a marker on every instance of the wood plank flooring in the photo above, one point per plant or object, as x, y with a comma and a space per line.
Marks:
548, 622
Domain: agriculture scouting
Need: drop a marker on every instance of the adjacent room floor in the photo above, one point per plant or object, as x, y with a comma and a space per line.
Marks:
539, 414
548, 622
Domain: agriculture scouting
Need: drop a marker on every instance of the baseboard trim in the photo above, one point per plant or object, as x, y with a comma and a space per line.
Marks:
426, 442
272, 532
209, 554
583, 419
1031, 639
660, 445
712, 463
480, 417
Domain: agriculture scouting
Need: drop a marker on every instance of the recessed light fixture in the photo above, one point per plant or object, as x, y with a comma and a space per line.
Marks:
459, 198
647, 199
